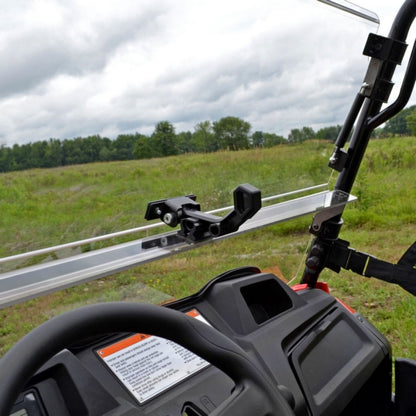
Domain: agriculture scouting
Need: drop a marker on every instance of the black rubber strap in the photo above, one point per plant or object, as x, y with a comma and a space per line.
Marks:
402, 274
409, 258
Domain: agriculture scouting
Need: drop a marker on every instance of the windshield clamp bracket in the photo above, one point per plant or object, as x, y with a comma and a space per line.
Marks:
381, 49
385, 49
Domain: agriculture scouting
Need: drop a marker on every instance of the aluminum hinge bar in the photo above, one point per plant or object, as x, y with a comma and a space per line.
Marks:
30, 282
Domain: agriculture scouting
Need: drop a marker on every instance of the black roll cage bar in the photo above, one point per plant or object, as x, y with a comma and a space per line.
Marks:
365, 113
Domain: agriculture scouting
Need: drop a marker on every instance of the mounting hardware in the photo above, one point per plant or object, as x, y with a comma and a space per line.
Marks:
381, 50
385, 49
196, 225
338, 159
333, 208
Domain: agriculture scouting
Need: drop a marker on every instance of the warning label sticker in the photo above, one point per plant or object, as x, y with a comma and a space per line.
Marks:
148, 365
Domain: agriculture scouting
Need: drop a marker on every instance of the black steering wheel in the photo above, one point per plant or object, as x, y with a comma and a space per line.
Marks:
254, 393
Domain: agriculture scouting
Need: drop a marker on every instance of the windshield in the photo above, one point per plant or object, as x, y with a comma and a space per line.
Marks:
205, 96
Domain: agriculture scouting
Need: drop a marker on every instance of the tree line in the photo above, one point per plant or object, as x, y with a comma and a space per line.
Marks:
402, 124
230, 133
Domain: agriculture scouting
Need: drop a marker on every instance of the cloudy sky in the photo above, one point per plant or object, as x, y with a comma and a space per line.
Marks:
81, 67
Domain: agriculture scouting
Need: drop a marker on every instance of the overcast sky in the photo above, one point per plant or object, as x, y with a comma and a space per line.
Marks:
82, 67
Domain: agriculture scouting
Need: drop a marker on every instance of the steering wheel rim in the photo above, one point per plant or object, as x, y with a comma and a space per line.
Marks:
255, 393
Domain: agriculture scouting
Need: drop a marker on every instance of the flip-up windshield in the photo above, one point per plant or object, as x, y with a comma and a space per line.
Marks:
211, 95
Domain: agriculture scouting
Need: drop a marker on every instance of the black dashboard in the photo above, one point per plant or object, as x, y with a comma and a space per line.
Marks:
324, 359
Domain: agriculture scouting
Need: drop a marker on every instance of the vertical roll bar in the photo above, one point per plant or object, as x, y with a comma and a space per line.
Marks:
368, 118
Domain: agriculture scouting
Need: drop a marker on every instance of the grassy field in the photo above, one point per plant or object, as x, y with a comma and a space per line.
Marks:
47, 207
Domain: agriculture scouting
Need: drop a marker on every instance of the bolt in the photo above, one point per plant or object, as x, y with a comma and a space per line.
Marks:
313, 262
168, 218
316, 250
365, 87
316, 227
171, 219
215, 229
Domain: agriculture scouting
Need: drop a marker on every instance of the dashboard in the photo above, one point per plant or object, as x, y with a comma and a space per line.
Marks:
324, 359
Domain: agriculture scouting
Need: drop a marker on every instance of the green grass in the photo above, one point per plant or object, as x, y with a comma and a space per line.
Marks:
46, 207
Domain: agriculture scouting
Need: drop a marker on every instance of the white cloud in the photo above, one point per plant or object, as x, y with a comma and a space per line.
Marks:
86, 67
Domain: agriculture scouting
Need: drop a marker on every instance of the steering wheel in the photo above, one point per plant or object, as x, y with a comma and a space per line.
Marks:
254, 393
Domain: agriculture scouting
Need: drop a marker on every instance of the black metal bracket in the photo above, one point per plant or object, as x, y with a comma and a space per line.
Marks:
382, 50
365, 115
338, 159
385, 49
197, 225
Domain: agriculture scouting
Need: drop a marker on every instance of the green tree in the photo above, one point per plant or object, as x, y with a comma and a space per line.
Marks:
328, 133
143, 148
53, 153
37, 154
308, 133
123, 147
257, 139
184, 142
105, 146
203, 138
6, 159
105, 154
411, 121
164, 139
295, 136
300, 135
21, 156
73, 151
398, 125
272, 139
232, 133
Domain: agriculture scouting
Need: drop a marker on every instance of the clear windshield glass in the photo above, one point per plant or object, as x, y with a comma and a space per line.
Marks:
255, 93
